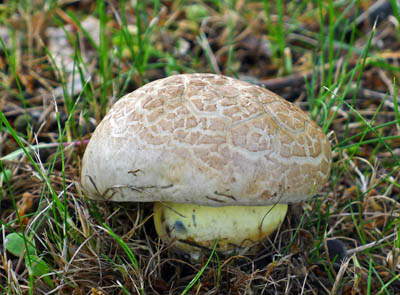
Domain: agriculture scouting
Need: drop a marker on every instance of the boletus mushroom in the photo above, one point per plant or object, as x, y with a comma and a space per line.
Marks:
219, 157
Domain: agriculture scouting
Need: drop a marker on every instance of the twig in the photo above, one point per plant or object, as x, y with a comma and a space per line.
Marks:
369, 245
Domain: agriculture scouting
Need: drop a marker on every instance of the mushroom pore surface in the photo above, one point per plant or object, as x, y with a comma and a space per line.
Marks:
208, 140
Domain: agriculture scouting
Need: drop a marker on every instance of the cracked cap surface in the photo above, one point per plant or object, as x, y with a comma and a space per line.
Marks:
205, 139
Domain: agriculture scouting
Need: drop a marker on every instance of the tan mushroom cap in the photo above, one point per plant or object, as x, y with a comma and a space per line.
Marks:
205, 139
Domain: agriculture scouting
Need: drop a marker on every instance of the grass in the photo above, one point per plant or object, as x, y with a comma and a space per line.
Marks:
53, 96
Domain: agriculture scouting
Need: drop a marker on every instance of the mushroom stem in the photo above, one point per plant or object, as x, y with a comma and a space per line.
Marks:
195, 227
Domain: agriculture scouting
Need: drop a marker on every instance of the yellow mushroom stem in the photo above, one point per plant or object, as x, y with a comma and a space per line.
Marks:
195, 227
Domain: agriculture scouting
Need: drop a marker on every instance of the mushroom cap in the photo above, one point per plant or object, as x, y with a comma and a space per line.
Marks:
205, 139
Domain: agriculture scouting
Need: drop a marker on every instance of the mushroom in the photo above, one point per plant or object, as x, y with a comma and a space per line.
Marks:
219, 157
